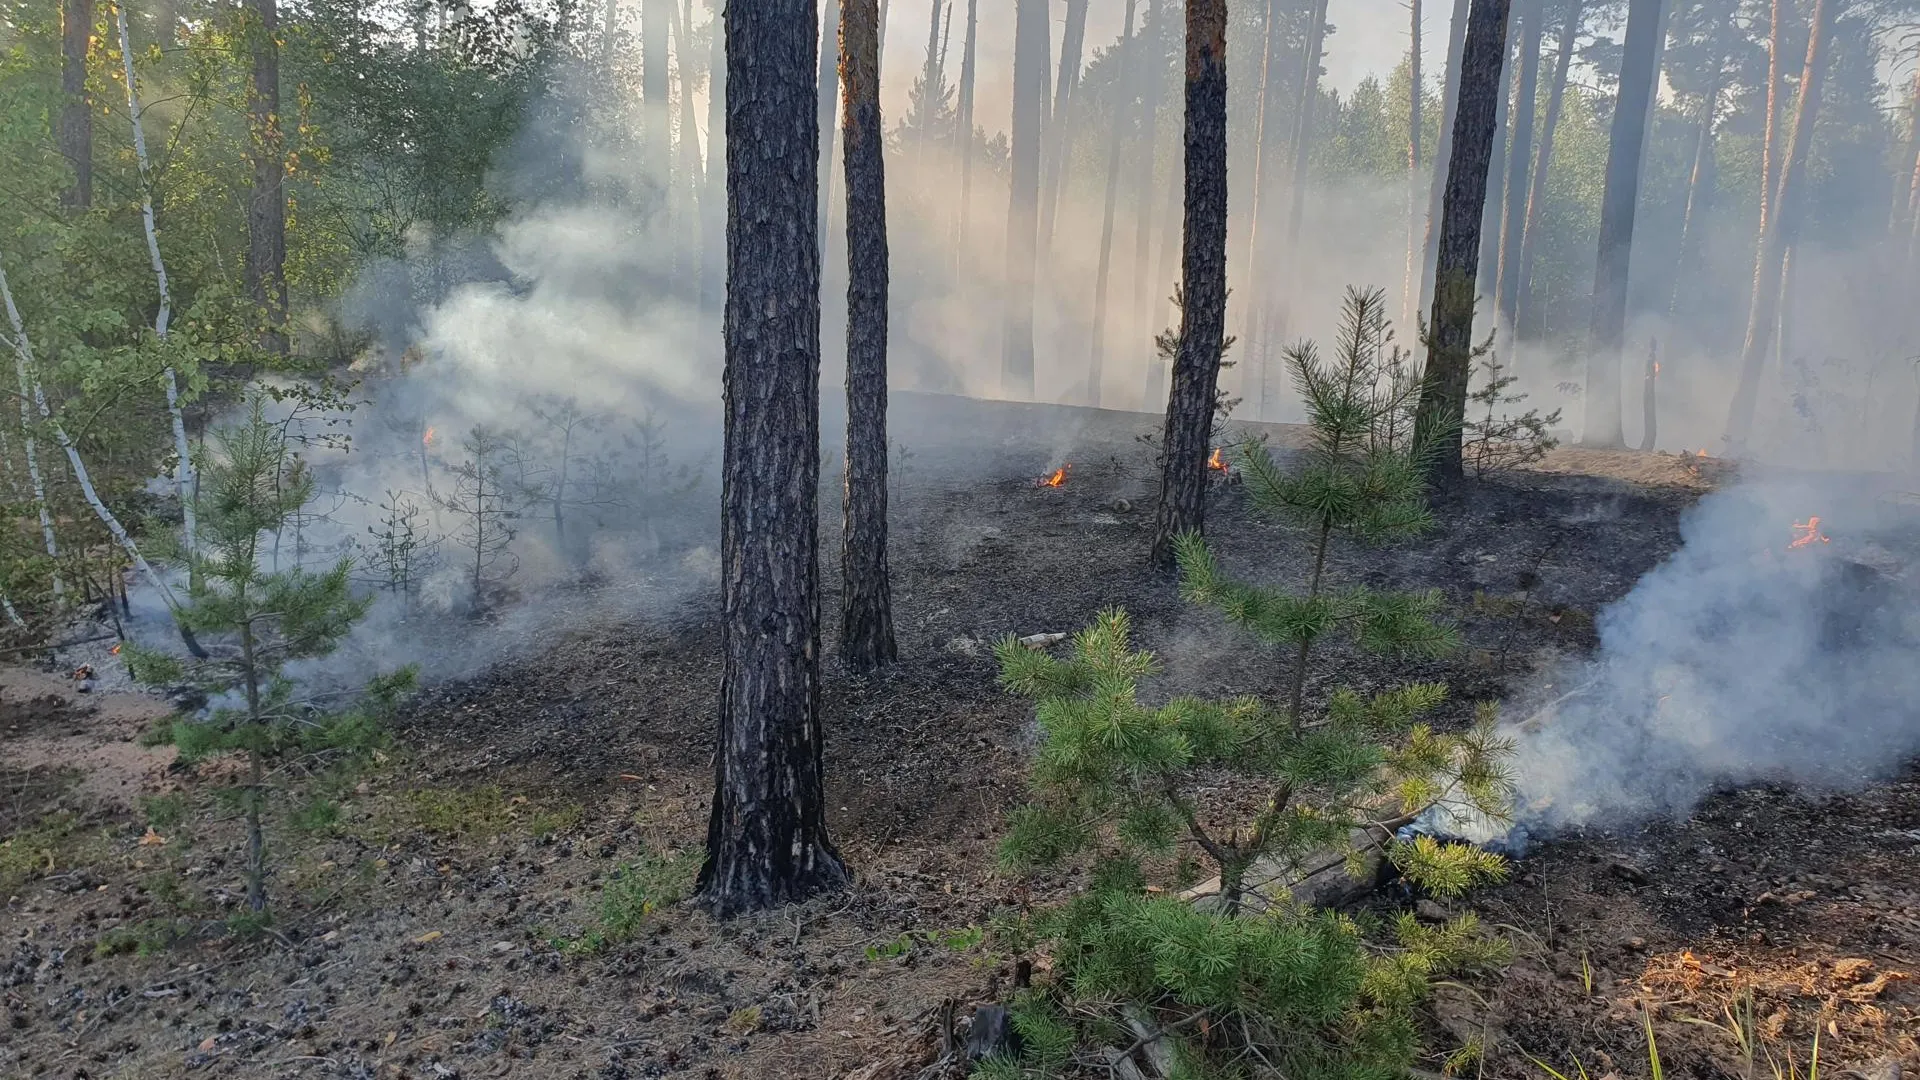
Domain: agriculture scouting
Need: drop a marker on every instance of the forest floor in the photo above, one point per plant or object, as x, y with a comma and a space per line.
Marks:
434, 928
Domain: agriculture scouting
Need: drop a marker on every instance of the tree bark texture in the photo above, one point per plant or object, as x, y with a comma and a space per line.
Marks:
1490, 216
1097, 367
767, 841
1443, 397
1060, 126
76, 109
1443, 153
1203, 321
1530, 15
266, 269
866, 598
1626, 142
1030, 62
1543, 155
1778, 233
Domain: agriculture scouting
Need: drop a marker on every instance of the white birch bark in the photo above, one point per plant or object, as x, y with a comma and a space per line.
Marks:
12, 615
34, 476
183, 480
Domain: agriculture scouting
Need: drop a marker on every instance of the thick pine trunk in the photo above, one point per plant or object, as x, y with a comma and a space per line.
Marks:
1415, 99
1096, 368
655, 17
767, 841
76, 110
1443, 397
1496, 181
1030, 61
1060, 128
1779, 232
1543, 155
1203, 321
866, 598
267, 206
963, 125
1626, 143
713, 202
1531, 14
1443, 153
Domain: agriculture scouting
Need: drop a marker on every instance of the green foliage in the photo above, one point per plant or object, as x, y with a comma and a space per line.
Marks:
956, 940
631, 897
1495, 440
1129, 783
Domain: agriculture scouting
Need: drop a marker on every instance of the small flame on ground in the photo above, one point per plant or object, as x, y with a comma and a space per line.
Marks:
1806, 533
1058, 478
1656, 367
115, 650
1218, 461
427, 440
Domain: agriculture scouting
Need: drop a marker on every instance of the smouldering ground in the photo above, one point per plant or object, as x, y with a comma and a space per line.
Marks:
416, 934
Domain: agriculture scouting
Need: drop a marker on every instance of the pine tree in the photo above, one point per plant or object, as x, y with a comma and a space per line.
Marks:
1122, 780
481, 500
251, 491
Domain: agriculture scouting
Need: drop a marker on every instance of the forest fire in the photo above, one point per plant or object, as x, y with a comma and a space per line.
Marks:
427, 439
1807, 533
1057, 479
1218, 461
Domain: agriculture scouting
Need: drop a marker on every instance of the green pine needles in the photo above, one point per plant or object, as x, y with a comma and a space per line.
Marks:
1246, 968
254, 488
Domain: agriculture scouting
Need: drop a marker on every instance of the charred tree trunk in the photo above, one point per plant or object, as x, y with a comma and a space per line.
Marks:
1778, 233
1519, 156
1490, 216
1543, 156
963, 126
1443, 397
827, 100
1060, 129
1259, 239
713, 213
1308, 98
267, 207
1700, 183
1096, 368
1408, 300
76, 110
1626, 143
1443, 153
1023, 205
767, 841
655, 16
1203, 318
866, 597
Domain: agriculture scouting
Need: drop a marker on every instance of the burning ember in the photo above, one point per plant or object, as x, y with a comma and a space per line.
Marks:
115, 650
1218, 461
1058, 478
427, 441
1807, 533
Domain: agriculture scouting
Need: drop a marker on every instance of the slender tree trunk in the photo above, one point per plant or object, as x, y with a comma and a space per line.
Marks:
1543, 155
713, 203
76, 109
1443, 397
266, 268
22, 356
1409, 300
1531, 14
690, 160
1256, 305
1304, 105
1122, 104
929, 82
1700, 182
1777, 235
1906, 190
655, 16
1781, 14
767, 842
1203, 320
1153, 49
1443, 153
1060, 129
828, 100
866, 607
1030, 55
1650, 400
183, 478
1626, 143
256, 776
963, 126
1496, 181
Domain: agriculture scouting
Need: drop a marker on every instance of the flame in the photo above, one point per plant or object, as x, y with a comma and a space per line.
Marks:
1058, 478
1807, 533
1217, 461
427, 440
115, 650
1656, 367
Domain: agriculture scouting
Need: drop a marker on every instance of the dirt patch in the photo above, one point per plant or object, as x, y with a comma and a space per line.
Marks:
430, 931
46, 724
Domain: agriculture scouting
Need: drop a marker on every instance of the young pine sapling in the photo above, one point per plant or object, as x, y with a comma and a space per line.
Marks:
482, 502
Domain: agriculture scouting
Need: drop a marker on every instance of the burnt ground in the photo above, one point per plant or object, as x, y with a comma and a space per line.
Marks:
417, 933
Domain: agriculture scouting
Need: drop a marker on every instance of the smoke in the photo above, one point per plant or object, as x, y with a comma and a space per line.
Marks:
1742, 659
